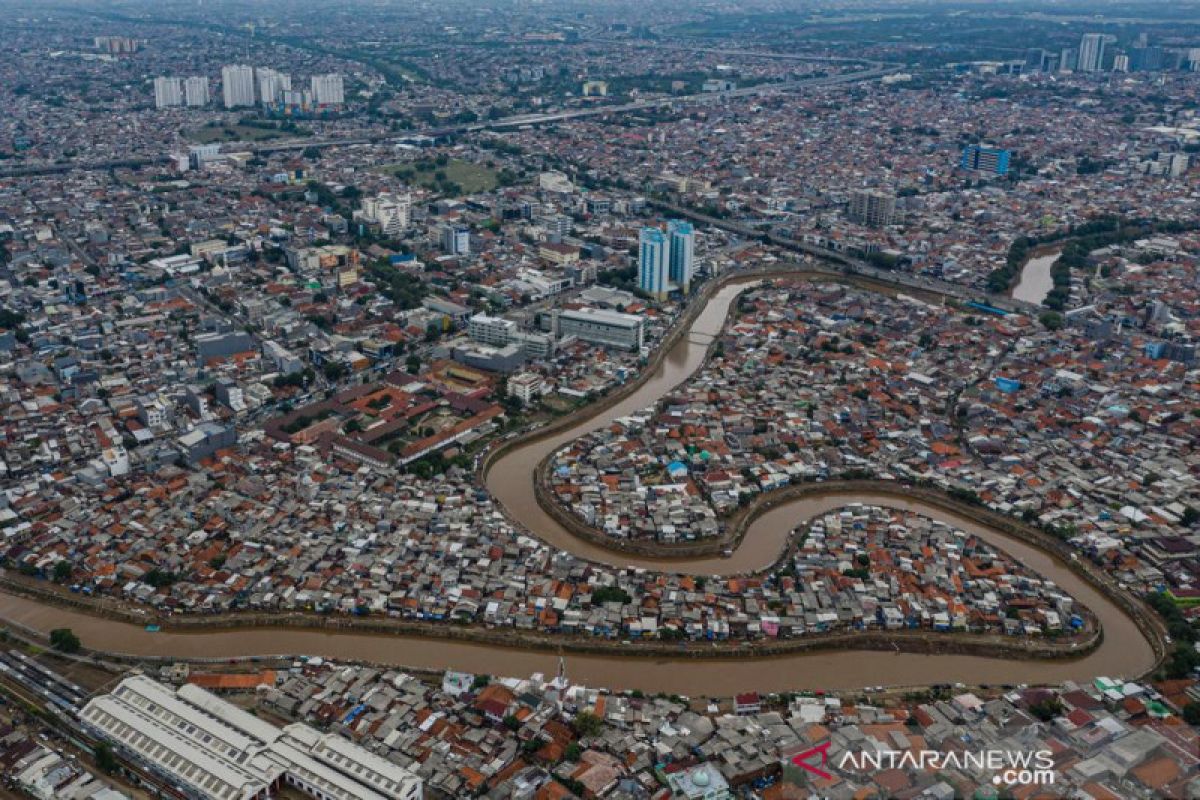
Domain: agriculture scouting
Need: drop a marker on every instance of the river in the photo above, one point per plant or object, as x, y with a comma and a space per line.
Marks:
1035, 281
1125, 650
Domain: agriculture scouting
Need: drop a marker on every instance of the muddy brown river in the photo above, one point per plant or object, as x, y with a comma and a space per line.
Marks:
1125, 651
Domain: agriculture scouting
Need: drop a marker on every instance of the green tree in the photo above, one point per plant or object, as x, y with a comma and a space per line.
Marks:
105, 760
587, 724
65, 640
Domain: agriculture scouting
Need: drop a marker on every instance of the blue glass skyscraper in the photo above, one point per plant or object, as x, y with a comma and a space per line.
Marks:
653, 262
682, 241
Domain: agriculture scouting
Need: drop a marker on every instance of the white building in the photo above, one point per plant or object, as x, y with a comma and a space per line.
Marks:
486, 329
327, 90
391, 212
209, 748
195, 91
272, 85
168, 92
1091, 52
237, 85
608, 328
526, 386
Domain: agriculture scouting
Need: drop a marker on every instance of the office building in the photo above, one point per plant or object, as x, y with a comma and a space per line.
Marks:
456, 240
207, 748
327, 90
168, 92
681, 254
195, 91
486, 329
237, 85
608, 328
1091, 52
654, 262
985, 159
872, 208
499, 332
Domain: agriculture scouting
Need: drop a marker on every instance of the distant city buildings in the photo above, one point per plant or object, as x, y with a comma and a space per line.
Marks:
456, 240
985, 159
272, 85
195, 91
872, 208
243, 86
388, 213
1091, 52
327, 90
168, 92
116, 44
237, 85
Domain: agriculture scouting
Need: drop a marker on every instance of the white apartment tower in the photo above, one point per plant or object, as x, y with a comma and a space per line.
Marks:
1091, 52
195, 91
168, 92
327, 90
237, 85
272, 85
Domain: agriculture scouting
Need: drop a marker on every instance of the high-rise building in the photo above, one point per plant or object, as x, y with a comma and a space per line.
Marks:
987, 159
1147, 59
195, 91
327, 90
682, 254
1068, 59
654, 260
237, 85
272, 85
872, 208
168, 92
456, 240
1091, 52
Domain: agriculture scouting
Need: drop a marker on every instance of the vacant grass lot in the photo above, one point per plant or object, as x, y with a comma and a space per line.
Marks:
457, 177
239, 133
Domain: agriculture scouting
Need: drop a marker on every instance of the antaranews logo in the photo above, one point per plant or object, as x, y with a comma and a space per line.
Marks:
1007, 767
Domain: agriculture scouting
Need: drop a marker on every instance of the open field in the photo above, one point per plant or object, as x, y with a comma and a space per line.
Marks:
454, 178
